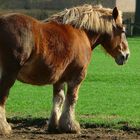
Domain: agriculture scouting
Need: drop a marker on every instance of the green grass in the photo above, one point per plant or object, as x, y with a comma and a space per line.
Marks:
110, 94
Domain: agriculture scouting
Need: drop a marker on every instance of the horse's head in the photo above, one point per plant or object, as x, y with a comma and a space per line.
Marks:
116, 44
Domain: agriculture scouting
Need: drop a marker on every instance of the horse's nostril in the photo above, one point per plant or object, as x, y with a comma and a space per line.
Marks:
123, 57
127, 56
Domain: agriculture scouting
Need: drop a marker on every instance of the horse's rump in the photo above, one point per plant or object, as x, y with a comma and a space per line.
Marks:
16, 36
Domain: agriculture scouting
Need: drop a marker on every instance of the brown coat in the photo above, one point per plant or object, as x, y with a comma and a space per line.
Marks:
46, 52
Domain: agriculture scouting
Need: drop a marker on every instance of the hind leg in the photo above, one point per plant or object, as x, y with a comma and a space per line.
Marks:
7, 79
5, 83
58, 100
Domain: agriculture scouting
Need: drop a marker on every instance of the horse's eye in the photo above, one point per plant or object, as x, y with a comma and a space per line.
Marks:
124, 31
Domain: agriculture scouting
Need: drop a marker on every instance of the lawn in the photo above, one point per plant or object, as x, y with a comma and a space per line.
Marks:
109, 96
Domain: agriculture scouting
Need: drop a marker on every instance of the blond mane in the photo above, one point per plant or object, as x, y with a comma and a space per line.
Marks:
89, 17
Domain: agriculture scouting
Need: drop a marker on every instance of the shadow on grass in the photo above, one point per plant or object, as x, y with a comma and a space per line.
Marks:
42, 123
28, 122
29, 125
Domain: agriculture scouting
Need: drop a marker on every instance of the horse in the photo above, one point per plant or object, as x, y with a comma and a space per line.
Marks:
57, 51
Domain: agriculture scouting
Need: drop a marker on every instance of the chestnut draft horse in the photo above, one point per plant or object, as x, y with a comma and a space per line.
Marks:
57, 51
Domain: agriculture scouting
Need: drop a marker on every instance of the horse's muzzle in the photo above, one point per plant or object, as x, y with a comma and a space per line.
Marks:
122, 58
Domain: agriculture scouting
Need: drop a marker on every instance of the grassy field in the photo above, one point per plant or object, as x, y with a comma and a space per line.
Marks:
109, 96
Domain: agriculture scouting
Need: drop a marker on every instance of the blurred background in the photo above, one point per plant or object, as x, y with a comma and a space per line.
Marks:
41, 9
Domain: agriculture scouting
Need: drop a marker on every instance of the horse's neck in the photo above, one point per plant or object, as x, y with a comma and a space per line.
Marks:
94, 38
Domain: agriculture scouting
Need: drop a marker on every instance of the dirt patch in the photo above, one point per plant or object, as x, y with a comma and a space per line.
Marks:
36, 129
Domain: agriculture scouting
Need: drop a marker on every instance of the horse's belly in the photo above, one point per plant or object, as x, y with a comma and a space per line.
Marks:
38, 75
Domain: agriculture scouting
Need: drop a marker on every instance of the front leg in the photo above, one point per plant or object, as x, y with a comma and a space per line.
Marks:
67, 122
58, 100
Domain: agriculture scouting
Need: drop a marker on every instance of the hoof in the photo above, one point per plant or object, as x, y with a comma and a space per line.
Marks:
69, 127
53, 130
5, 128
53, 127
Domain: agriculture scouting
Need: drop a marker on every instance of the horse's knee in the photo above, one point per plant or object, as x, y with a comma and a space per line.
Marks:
58, 101
59, 97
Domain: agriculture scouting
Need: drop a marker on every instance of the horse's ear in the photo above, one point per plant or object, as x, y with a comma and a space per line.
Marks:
115, 13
